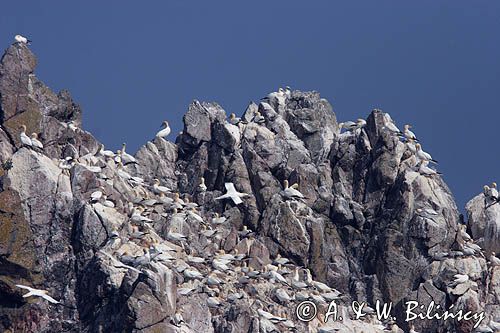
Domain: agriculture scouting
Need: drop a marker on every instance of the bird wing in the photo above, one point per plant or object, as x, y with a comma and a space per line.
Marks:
230, 187
50, 299
24, 287
237, 200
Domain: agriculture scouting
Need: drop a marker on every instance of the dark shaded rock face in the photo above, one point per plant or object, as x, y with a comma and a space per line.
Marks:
370, 226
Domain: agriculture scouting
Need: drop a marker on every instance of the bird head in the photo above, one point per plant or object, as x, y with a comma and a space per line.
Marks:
232, 116
23, 128
493, 185
34, 135
165, 124
285, 183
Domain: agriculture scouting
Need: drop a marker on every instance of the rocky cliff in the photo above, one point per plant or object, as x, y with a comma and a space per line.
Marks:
142, 247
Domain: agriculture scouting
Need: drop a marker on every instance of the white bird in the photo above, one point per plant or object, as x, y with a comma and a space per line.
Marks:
409, 135
21, 39
105, 153
35, 142
494, 191
460, 278
25, 140
282, 296
218, 219
233, 194
118, 264
38, 293
290, 192
72, 126
424, 156
192, 274
157, 188
425, 170
389, 124
234, 120
96, 195
258, 118
202, 187
125, 157
165, 131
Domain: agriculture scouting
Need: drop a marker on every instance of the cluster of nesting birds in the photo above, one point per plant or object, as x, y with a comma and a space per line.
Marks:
422, 158
152, 209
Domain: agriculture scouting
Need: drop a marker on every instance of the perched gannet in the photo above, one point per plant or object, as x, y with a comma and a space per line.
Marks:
118, 264
282, 295
422, 155
493, 190
288, 92
258, 118
165, 130
35, 142
390, 126
21, 39
460, 278
425, 170
233, 194
234, 120
290, 192
157, 188
202, 187
409, 135
296, 283
218, 219
72, 126
97, 195
277, 97
106, 153
38, 293
125, 157
25, 140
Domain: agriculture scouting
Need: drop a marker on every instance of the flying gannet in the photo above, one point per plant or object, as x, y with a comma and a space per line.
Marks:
34, 140
25, 140
21, 39
38, 293
165, 130
422, 155
233, 194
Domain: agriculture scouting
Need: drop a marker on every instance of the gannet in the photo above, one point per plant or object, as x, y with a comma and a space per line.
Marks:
409, 135
233, 194
107, 202
213, 302
288, 92
105, 153
258, 118
278, 97
389, 124
72, 126
234, 120
460, 278
96, 195
348, 125
280, 260
165, 131
38, 293
422, 155
282, 296
25, 140
125, 157
493, 190
296, 283
118, 264
425, 170
218, 219
177, 320
157, 188
21, 39
270, 316
289, 192
35, 142
245, 231
202, 187
192, 274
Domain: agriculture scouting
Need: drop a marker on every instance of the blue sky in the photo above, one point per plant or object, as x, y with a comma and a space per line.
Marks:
433, 64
